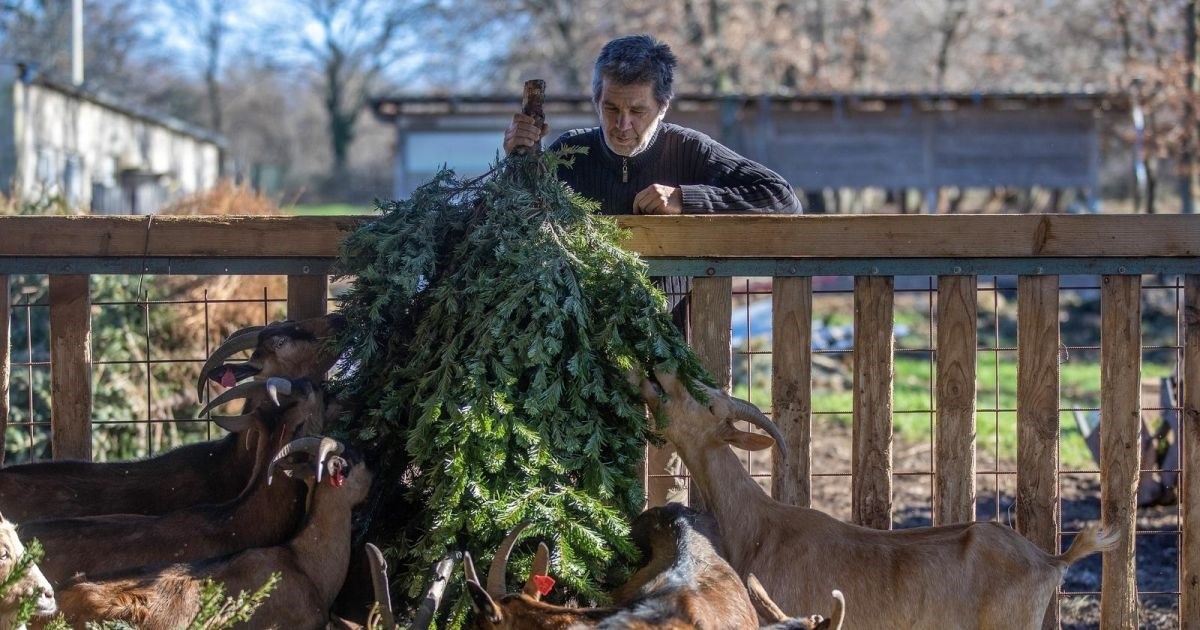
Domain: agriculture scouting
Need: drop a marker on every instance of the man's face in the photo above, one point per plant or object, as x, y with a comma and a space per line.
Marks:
628, 115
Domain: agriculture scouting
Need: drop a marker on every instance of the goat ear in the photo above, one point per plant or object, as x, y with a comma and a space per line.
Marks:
482, 603
541, 565
744, 439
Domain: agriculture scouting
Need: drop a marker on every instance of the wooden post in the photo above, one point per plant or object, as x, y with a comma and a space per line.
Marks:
1037, 416
307, 296
871, 493
1120, 442
1189, 496
70, 367
711, 312
5, 360
954, 500
791, 388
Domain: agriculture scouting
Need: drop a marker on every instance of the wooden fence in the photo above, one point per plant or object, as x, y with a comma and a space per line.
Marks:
873, 249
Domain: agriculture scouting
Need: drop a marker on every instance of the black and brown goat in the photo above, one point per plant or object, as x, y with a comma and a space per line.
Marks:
263, 515
206, 472
312, 566
684, 585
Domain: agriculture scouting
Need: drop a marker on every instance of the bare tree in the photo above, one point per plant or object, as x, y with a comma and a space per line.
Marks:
206, 22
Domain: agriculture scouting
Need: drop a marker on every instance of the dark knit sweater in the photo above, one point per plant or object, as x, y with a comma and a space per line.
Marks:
712, 178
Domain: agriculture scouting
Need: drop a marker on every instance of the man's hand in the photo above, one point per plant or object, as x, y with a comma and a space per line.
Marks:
658, 199
523, 132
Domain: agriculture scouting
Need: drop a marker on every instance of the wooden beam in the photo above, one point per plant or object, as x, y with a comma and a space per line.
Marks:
1189, 498
871, 489
711, 311
5, 360
954, 500
1037, 416
791, 388
70, 367
1120, 452
307, 296
769, 236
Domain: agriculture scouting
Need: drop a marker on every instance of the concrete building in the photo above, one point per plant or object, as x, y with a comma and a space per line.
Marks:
93, 151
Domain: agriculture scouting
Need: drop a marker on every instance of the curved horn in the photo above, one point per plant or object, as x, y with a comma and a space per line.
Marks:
310, 445
839, 611
235, 424
243, 339
243, 390
328, 446
277, 385
379, 582
495, 585
745, 410
763, 602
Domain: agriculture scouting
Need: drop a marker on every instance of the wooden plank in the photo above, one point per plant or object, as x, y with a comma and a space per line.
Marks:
791, 388
70, 367
5, 360
1189, 498
1037, 416
1120, 452
307, 296
954, 457
871, 492
711, 311
803, 236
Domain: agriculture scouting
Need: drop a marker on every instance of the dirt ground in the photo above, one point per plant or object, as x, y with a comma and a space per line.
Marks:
1157, 540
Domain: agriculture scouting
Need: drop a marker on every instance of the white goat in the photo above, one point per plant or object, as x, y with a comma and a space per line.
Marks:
972, 575
32, 584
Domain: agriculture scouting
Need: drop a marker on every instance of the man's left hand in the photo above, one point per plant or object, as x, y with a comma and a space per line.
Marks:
658, 199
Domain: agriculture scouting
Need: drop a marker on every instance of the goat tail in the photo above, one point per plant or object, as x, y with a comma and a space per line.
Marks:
1093, 539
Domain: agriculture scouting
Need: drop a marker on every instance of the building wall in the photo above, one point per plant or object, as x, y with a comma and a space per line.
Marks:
95, 157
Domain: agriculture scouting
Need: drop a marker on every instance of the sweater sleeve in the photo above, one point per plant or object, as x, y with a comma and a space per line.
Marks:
735, 185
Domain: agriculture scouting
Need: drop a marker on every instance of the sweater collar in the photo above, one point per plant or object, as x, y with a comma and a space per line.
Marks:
649, 156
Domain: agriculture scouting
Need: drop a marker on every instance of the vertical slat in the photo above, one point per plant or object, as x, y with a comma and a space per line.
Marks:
954, 482
1037, 416
871, 493
1120, 452
5, 360
1189, 562
307, 296
70, 367
711, 312
791, 387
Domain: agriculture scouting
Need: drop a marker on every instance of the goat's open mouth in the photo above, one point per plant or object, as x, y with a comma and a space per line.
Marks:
46, 608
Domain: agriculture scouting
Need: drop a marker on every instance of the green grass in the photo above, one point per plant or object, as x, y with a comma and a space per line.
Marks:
329, 209
996, 398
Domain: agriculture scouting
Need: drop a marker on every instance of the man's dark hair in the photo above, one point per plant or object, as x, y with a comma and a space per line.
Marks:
636, 59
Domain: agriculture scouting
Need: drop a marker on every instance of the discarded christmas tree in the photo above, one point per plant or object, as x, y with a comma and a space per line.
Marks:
491, 328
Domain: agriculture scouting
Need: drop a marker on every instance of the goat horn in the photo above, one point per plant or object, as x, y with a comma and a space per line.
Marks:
235, 424
319, 447
745, 410
243, 390
763, 602
328, 446
243, 339
379, 581
277, 385
839, 610
469, 568
495, 585
541, 564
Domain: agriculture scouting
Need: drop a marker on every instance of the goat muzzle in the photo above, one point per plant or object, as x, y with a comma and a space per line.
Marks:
244, 339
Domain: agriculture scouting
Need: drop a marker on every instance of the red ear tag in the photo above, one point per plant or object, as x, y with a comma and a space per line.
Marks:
228, 379
544, 584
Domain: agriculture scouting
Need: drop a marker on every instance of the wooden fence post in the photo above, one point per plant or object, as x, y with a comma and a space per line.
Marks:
5, 361
711, 312
874, 340
1037, 417
954, 500
1189, 496
307, 296
791, 387
70, 367
1120, 443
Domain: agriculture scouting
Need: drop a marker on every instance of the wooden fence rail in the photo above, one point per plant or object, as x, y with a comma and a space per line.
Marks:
874, 249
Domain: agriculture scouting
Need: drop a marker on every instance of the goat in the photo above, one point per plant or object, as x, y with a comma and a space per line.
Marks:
262, 515
32, 584
978, 574
312, 565
779, 620
684, 584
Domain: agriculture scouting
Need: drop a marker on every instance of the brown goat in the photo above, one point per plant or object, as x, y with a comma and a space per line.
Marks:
32, 584
206, 472
779, 620
263, 515
312, 565
981, 575
684, 584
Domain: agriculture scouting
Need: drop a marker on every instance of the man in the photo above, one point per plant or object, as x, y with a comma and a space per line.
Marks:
636, 164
